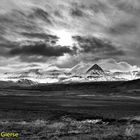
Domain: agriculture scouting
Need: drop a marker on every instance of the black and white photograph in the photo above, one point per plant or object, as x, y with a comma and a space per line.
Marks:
70, 69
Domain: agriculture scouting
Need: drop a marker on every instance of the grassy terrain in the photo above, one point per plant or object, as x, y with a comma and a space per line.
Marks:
70, 117
78, 112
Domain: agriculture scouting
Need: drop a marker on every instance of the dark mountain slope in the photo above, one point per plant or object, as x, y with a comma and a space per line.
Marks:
95, 68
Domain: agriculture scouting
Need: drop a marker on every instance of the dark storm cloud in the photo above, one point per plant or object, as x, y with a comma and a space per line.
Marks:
4, 19
23, 23
7, 45
41, 14
99, 7
15, 22
33, 58
41, 49
124, 28
76, 12
45, 36
95, 45
131, 7
58, 13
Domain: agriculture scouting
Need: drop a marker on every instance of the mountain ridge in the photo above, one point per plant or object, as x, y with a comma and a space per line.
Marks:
82, 72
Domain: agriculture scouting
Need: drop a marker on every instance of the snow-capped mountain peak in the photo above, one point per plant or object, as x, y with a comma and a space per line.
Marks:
82, 72
95, 67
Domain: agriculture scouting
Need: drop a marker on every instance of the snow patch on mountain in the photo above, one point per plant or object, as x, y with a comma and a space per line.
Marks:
80, 73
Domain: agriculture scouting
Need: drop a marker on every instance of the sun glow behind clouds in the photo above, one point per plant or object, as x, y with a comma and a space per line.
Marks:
65, 37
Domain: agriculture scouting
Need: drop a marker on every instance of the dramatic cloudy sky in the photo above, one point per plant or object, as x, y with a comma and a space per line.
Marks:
39, 33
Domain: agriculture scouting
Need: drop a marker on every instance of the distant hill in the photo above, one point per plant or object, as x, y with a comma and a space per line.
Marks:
6, 84
134, 84
26, 82
96, 88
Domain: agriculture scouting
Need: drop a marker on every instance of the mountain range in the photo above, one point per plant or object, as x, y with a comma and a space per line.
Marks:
80, 73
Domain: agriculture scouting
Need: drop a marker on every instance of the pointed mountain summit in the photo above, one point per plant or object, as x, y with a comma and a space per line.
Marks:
95, 67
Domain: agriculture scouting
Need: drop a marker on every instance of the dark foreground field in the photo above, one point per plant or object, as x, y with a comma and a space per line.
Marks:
87, 113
